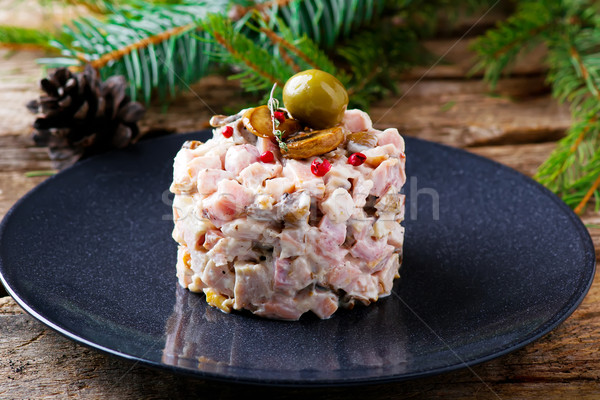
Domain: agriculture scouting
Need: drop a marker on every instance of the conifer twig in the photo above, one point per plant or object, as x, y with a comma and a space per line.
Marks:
587, 196
261, 7
223, 42
142, 43
276, 39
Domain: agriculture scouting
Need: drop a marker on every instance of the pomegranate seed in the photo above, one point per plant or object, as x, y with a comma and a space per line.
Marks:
267, 157
357, 159
279, 116
320, 168
228, 131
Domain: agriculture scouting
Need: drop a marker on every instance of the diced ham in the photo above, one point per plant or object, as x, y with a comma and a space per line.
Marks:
208, 179
264, 144
276, 187
388, 173
255, 174
219, 277
291, 275
252, 284
348, 277
360, 191
228, 202
339, 206
229, 250
396, 236
201, 163
391, 136
357, 121
324, 304
211, 238
324, 248
303, 179
244, 229
239, 157
182, 182
281, 308
337, 232
386, 275
292, 242
371, 250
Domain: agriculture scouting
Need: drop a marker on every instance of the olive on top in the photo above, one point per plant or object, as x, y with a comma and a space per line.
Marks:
316, 98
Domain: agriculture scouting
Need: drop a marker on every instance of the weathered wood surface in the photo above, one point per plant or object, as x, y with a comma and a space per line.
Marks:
516, 126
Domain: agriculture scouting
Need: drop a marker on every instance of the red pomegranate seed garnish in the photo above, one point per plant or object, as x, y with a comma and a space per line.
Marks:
320, 168
228, 131
279, 116
357, 159
267, 157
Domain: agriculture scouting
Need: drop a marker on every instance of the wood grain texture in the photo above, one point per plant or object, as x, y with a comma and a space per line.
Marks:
517, 126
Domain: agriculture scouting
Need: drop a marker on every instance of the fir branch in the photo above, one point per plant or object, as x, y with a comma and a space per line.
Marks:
143, 43
259, 68
278, 40
580, 207
499, 47
18, 38
155, 46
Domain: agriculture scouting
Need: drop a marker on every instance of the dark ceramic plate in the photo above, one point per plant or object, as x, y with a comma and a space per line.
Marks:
496, 266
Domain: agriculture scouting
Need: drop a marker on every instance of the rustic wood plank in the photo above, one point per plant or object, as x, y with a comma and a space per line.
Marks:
454, 59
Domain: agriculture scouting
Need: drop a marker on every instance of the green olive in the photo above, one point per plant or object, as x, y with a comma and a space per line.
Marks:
316, 98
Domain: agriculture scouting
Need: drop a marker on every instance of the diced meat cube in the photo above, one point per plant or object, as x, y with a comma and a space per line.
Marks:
388, 173
252, 284
391, 136
208, 179
371, 250
339, 206
227, 203
239, 157
243, 229
291, 275
255, 174
324, 304
219, 277
292, 242
357, 121
201, 163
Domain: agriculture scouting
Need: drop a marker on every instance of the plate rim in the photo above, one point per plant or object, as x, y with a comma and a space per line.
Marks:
570, 306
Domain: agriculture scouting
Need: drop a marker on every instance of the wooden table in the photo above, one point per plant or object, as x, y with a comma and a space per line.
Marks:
516, 126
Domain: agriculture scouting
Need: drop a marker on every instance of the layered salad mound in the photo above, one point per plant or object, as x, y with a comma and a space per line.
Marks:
281, 215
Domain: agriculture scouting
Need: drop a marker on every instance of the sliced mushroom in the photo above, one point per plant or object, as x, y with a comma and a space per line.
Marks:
315, 143
359, 142
294, 208
192, 144
217, 121
258, 121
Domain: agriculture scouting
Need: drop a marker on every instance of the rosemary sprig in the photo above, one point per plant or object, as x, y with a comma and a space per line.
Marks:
273, 105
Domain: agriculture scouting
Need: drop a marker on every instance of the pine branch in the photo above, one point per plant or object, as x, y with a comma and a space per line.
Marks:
571, 32
499, 47
17, 38
259, 69
155, 46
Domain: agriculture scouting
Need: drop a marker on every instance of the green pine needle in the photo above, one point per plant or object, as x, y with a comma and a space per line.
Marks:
571, 32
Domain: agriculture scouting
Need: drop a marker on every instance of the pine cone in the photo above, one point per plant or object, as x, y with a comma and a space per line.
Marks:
81, 116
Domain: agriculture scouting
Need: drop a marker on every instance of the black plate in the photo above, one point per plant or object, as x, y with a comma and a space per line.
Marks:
89, 253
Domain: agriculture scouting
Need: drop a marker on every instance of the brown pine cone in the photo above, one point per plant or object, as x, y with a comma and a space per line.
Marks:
81, 116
